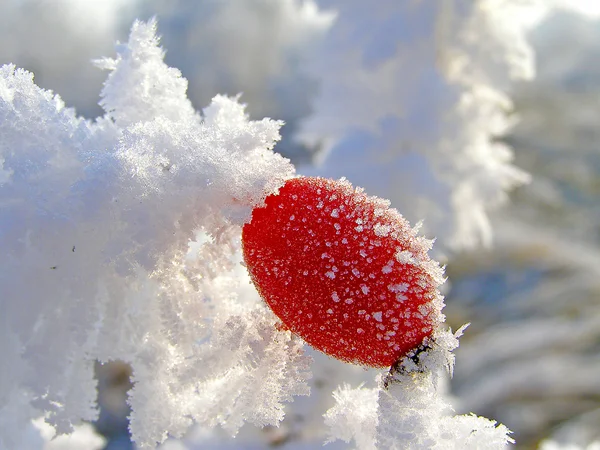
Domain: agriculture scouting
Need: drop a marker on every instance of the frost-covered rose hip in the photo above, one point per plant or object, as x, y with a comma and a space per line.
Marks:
344, 271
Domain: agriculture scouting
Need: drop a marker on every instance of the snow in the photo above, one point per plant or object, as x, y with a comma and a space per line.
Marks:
316, 54
354, 417
409, 111
39, 435
406, 411
84, 436
103, 213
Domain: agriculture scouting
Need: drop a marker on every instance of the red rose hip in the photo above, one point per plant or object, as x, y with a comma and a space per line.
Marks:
343, 271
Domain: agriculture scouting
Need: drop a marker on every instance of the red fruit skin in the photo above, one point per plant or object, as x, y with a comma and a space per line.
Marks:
343, 271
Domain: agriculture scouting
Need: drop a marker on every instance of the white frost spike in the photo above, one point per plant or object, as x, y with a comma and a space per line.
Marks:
411, 413
246, 358
354, 416
103, 213
140, 86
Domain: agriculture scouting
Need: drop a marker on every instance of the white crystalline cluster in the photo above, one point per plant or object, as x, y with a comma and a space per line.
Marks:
408, 411
354, 416
83, 437
256, 47
413, 95
249, 46
376, 73
96, 222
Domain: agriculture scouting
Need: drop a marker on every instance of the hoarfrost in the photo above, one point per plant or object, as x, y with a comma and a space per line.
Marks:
406, 410
101, 215
421, 104
354, 417
381, 230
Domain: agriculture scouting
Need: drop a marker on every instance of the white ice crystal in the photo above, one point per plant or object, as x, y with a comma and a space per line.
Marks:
354, 416
39, 435
250, 46
413, 96
96, 221
83, 437
408, 409
257, 47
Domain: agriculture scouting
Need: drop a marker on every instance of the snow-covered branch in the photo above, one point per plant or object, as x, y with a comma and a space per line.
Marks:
96, 263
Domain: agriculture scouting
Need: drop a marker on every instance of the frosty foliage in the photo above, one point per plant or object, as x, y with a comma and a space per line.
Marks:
354, 416
96, 223
256, 47
407, 410
416, 92
531, 359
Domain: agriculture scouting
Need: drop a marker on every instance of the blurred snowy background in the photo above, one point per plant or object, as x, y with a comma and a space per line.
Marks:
424, 105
